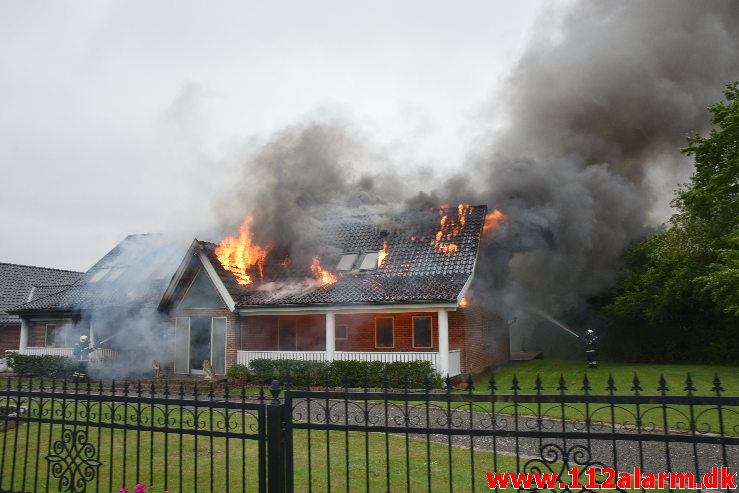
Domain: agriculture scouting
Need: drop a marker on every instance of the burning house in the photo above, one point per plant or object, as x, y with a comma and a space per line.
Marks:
379, 288
393, 294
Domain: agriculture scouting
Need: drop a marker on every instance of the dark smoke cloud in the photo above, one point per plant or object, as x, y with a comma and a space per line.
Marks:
597, 110
595, 113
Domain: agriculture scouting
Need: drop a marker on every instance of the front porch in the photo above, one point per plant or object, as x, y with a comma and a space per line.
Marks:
454, 357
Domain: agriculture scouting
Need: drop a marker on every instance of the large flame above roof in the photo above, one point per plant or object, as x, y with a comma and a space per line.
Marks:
240, 254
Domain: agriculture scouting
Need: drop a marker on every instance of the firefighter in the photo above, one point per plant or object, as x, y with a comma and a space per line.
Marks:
591, 348
82, 352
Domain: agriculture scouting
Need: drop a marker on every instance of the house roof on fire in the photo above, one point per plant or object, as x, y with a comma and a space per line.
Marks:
430, 259
22, 283
134, 273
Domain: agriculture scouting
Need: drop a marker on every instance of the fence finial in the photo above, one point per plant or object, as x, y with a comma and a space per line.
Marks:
663, 388
717, 385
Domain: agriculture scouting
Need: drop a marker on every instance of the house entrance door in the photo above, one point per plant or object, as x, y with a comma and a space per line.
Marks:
200, 338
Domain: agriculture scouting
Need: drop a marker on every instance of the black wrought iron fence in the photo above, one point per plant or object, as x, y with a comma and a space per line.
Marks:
58, 437
99, 437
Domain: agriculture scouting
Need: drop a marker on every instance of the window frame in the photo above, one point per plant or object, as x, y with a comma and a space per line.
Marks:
431, 331
392, 332
46, 335
355, 256
346, 332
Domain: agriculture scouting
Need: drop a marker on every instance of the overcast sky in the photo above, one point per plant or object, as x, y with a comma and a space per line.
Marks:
124, 117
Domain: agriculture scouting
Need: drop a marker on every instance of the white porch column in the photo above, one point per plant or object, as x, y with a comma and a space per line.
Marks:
330, 336
23, 345
443, 343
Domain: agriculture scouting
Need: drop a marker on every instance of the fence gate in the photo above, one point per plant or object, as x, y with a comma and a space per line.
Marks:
84, 438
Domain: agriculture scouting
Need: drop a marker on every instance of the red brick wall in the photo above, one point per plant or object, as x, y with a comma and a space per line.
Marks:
485, 338
10, 337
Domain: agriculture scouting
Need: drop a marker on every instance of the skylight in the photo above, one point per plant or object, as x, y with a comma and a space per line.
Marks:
369, 261
347, 261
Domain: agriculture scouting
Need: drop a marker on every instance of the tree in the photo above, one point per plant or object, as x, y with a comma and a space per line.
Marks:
681, 285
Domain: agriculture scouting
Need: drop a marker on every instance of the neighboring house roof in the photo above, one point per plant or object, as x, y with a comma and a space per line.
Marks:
134, 273
417, 269
21, 283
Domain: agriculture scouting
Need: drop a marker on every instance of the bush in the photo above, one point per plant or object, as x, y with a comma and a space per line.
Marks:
239, 374
42, 366
340, 373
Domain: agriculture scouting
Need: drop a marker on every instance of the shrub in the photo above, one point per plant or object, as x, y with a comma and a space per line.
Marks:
239, 374
42, 366
340, 373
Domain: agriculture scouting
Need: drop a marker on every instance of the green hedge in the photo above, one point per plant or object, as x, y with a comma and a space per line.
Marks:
339, 373
41, 366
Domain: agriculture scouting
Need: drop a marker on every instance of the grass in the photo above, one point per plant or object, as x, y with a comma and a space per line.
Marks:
676, 417
337, 461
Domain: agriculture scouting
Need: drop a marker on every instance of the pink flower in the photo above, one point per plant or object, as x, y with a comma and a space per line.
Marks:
140, 488
123, 490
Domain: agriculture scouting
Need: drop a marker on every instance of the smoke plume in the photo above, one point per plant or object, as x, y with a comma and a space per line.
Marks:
585, 162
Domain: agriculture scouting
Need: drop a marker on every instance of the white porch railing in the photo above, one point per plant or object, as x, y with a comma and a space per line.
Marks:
245, 357
96, 355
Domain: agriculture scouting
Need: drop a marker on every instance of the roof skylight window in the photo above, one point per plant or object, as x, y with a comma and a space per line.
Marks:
347, 261
369, 261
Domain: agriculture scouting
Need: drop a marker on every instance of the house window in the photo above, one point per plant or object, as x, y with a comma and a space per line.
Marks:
422, 332
342, 332
384, 332
347, 261
50, 338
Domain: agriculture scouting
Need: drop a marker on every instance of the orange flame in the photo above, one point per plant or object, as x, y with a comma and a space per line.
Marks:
382, 254
450, 228
464, 302
324, 276
493, 220
238, 255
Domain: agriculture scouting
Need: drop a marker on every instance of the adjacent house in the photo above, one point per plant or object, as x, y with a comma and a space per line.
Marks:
24, 283
114, 302
390, 291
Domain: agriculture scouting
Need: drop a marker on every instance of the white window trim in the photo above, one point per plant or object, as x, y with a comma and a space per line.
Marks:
46, 334
225, 345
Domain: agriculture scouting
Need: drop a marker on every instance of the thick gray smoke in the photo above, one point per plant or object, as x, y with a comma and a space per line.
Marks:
597, 110
595, 113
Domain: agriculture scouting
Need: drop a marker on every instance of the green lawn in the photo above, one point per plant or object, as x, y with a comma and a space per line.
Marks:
187, 464
623, 375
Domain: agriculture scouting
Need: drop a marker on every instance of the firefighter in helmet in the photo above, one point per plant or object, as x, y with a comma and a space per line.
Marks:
82, 352
591, 348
